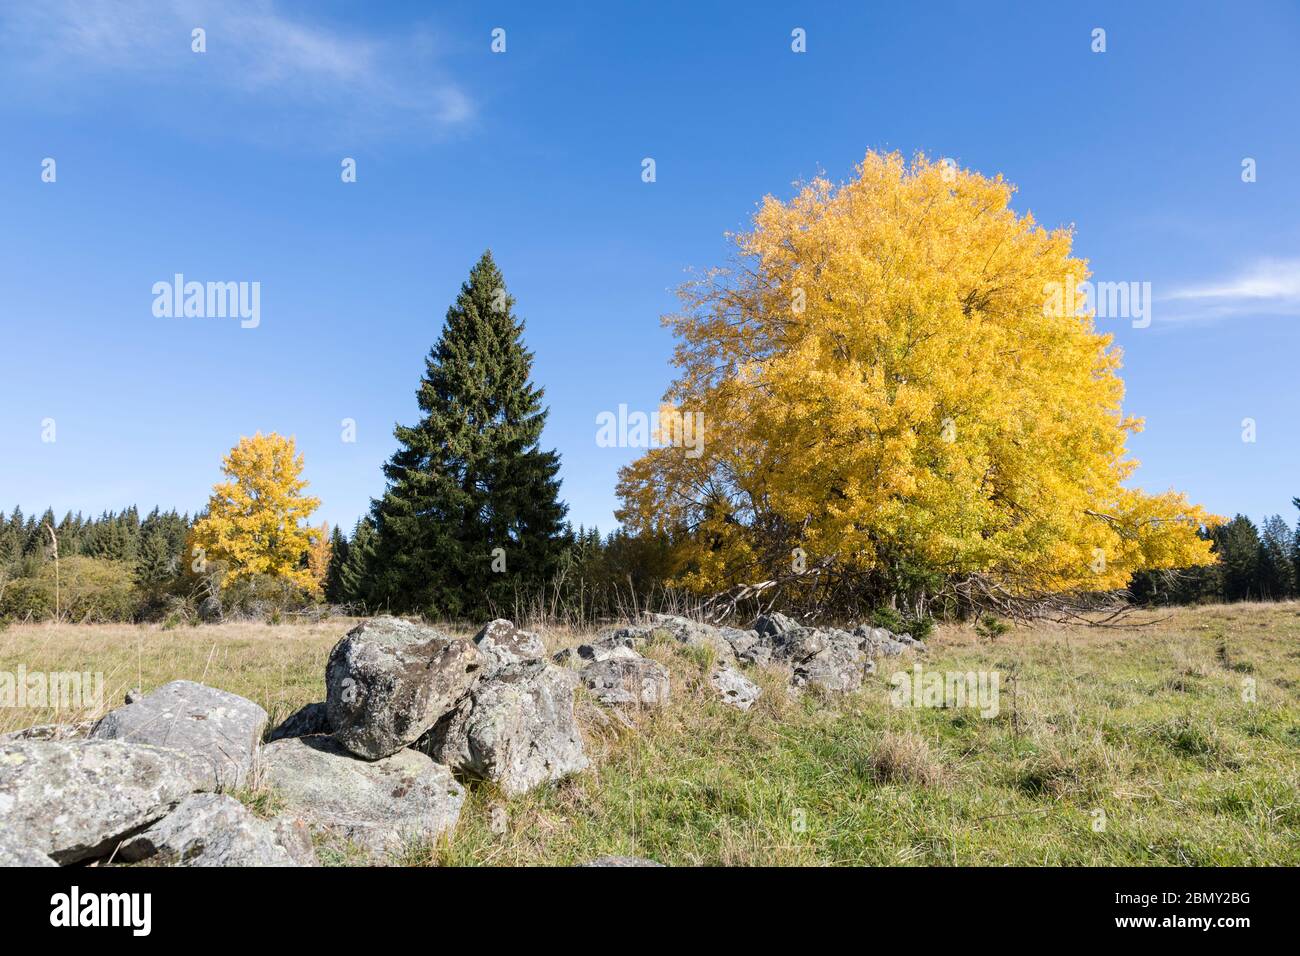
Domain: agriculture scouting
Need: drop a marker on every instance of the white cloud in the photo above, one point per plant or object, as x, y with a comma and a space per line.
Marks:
257, 58
1266, 287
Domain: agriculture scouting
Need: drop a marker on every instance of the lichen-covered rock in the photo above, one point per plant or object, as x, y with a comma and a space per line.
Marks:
75, 731
750, 647
15, 853
208, 829
774, 624
380, 805
303, 722
695, 634
517, 730
74, 800
597, 651
294, 834
881, 642
501, 644
389, 681
217, 730
733, 687
622, 682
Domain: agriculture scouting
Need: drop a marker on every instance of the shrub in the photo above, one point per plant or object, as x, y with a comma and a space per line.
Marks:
85, 590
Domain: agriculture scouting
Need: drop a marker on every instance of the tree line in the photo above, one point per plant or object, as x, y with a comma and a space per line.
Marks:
895, 420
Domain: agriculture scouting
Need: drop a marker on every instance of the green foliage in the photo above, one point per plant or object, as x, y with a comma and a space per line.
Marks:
85, 590
891, 619
991, 628
470, 486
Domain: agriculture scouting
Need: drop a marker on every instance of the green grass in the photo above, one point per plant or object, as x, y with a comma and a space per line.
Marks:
1118, 746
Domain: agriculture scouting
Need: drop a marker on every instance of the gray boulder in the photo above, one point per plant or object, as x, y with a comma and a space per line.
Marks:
208, 829
623, 682
881, 642
734, 688
517, 730
597, 651
695, 634
217, 730
378, 804
829, 659
294, 834
750, 647
389, 681
15, 853
74, 800
773, 625
502, 644
75, 731
303, 722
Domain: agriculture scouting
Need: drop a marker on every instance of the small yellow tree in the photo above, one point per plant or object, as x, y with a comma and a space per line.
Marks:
318, 557
256, 520
885, 383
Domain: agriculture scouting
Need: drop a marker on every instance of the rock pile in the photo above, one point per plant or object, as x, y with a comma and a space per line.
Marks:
829, 658
409, 714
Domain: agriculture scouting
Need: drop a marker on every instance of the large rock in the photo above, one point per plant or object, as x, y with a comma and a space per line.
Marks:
750, 647
217, 730
599, 650
516, 730
620, 643
829, 659
621, 682
734, 688
303, 722
208, 829
389, 681
501, 644
773, 625
380, 805
695, 634
15, 853
75, 800
75, 731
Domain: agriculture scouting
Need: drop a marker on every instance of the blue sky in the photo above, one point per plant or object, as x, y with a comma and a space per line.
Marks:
225, 166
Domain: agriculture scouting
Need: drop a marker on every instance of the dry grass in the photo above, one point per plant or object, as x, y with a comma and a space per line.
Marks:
1183, 736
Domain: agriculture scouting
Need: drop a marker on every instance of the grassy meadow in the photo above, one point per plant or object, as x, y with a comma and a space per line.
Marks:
1130, 745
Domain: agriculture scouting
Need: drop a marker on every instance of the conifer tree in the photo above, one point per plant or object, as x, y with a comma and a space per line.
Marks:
334, 592
356, 573
471, 515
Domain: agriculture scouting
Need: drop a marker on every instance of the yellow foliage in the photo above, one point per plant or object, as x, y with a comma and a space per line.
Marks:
318, 557
883, 376
255, 521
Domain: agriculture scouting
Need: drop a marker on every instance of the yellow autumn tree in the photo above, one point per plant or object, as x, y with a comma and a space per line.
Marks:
887, 383
318, 557
256, 519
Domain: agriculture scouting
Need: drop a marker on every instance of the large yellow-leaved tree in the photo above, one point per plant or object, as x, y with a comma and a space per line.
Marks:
885, 383
256, 520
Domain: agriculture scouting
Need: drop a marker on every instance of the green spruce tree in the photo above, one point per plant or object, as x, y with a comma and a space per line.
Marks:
334, 590
471, 518
356, 574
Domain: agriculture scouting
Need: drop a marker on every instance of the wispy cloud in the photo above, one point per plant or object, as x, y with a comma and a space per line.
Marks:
258, 58
1266, 287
